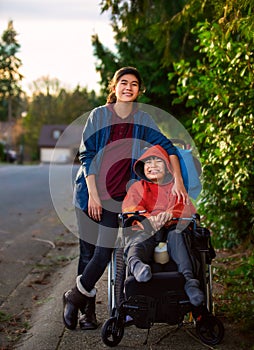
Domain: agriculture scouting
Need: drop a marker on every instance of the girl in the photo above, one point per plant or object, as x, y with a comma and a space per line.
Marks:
112, 140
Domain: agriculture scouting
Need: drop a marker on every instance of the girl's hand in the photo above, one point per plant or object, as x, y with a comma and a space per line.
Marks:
94, 208
94, 202
180, 191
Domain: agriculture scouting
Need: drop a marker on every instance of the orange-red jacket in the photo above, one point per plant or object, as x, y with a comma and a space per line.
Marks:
153, 197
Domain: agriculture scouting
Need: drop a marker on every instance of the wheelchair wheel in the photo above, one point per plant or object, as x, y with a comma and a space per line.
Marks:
210, 330
111, 333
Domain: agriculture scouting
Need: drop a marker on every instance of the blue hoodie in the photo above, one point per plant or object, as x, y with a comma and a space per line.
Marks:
95, 137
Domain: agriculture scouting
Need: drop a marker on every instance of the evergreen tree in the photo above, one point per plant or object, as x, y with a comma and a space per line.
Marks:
10, 77
151, 35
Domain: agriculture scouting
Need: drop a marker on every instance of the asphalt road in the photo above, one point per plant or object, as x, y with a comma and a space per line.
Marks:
24, 193
28, 209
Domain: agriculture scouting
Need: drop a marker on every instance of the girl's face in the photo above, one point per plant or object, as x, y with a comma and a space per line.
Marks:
155, 169
127, 88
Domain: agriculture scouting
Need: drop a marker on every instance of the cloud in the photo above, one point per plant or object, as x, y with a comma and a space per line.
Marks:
51, 10
55, 38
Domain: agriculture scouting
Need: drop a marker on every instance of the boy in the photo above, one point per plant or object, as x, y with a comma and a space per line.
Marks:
153, 194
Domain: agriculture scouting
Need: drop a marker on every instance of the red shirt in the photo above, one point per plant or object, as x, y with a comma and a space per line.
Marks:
116, 162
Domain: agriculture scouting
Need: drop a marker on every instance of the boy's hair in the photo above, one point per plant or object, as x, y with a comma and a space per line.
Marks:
152, 157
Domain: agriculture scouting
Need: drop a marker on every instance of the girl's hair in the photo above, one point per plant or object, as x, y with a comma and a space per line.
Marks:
117, 76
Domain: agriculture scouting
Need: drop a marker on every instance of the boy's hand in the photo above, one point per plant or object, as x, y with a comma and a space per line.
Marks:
155, 223
164, 217
158, 221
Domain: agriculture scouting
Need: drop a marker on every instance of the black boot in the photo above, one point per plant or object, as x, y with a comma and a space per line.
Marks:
73, 300
88, 319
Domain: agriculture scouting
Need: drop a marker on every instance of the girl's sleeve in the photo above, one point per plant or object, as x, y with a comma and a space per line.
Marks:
88, 146
155, 137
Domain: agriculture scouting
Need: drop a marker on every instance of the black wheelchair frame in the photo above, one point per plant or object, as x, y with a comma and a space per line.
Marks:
127, 297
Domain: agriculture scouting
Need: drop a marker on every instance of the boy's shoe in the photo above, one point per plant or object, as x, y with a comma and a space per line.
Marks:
142, 272
193, 292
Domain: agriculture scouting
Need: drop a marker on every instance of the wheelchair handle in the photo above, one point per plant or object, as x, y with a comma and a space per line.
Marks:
142, 219
124, 215
204, 232
137, 216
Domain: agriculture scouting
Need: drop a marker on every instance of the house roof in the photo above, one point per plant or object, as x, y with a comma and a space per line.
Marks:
60, 135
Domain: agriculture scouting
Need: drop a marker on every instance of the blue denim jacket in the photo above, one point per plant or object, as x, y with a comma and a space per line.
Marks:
95, 136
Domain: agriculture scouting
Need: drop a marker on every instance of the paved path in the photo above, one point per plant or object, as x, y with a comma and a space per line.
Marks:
48, 333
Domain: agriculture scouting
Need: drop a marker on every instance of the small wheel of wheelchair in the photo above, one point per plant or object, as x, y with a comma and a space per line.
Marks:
111, 333
210, 330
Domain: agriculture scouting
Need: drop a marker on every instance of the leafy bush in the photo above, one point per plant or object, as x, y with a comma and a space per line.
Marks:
219, 89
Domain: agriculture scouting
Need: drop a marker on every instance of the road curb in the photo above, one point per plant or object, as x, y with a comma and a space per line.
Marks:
47, 325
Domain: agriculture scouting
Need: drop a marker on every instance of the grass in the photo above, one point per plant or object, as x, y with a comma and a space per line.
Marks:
12, 327
234, 271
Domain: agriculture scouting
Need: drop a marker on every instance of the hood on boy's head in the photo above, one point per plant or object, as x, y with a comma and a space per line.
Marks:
154, 151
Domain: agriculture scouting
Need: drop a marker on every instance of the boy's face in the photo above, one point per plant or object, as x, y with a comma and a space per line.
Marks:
154, 169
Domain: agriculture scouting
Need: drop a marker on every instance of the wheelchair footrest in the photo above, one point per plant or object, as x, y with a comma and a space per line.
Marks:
160, 300
159, 284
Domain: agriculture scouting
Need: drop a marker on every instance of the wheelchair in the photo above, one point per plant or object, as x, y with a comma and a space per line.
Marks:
162, 299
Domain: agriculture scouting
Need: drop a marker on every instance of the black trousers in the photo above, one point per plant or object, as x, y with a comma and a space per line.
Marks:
97, 241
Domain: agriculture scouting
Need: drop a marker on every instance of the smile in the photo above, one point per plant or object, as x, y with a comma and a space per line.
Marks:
154, 172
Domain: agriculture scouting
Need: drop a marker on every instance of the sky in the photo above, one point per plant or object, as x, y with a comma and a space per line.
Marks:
55, 39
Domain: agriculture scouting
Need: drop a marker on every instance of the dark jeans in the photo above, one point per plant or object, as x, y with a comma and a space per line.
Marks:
143, 250
97, 242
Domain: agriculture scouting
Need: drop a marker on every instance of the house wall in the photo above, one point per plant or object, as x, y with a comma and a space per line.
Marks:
55, 155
